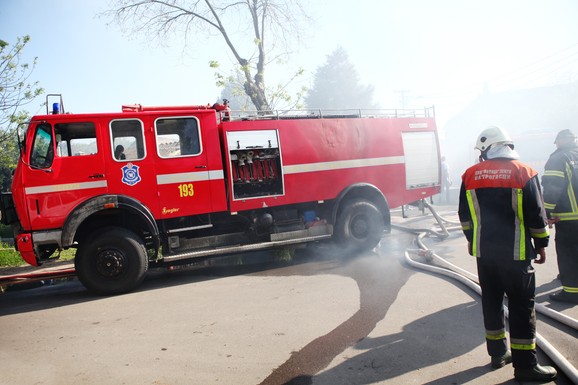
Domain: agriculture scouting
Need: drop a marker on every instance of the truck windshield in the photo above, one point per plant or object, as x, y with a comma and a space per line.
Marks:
42, 147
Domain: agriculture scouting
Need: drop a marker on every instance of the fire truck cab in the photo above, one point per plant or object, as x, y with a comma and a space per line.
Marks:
158, 186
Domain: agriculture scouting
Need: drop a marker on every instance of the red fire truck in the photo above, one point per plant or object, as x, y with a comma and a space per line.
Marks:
161, 186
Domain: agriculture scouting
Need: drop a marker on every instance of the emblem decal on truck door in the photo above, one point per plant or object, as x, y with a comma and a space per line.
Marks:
130, 175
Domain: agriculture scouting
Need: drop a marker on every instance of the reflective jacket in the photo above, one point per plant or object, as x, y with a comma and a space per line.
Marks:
501, 210
560, 183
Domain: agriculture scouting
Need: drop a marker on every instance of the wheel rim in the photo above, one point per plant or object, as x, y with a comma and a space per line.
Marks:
111, 263
360, 227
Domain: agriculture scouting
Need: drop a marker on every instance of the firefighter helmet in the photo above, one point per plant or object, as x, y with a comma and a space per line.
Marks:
492, 135
565, 136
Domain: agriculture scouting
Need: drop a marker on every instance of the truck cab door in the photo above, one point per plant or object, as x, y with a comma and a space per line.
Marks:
65, 168
184, 174
130, 163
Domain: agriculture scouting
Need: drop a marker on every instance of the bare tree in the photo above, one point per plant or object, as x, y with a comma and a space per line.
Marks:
260, 25
15, 90
279, 96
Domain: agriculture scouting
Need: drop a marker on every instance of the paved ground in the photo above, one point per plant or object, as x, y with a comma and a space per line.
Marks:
443, 343
315, 320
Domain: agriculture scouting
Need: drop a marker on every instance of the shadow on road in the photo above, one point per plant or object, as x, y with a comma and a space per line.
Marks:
427, 341
379, 279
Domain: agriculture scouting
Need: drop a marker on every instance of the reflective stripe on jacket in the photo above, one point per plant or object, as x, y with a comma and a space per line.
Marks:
501, 210
560, 183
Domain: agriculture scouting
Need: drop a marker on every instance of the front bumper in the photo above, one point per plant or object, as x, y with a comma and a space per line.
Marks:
23, 243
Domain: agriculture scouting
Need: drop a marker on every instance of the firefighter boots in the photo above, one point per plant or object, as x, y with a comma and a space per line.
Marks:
501, 361
536, 373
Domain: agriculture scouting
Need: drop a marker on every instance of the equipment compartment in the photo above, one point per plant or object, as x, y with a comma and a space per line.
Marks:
255, 163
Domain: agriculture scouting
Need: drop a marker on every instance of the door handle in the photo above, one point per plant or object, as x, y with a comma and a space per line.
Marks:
96, 176
201, 166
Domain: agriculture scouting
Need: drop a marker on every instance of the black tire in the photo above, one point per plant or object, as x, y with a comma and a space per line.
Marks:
359, 226
112, 262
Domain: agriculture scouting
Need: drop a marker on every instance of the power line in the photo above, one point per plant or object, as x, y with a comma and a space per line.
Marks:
536, 62
475, 87
559, 65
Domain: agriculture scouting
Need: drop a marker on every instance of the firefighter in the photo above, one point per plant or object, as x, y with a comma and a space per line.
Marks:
503, 218
560, 183
119, 152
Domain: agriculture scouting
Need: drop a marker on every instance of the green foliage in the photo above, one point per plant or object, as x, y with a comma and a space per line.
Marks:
336, 85
15, 89
232, 90
280, 96
15, 92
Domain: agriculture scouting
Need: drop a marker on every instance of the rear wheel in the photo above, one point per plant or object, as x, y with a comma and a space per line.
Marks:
359, 226
112, 262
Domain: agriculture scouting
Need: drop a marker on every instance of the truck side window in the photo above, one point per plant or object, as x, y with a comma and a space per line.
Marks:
127, 136
177, 136
42, 151
75, 139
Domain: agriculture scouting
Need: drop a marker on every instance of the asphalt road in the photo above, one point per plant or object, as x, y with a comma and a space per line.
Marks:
314, 320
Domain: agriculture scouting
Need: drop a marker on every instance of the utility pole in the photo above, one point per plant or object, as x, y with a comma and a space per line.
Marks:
402, 97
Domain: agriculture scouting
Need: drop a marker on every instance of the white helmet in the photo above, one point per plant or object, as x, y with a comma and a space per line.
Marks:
490, 136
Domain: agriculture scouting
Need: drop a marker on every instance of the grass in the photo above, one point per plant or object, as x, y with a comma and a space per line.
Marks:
9, 257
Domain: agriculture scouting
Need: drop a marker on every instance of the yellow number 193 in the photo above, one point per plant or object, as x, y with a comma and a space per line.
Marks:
186, 190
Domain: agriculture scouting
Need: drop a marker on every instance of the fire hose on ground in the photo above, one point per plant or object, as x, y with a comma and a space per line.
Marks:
471, 281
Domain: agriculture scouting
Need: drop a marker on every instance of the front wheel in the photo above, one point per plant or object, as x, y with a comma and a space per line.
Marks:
112, 262
359, 226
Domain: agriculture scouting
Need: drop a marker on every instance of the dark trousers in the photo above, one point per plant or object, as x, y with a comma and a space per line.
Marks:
516, 280
567, 253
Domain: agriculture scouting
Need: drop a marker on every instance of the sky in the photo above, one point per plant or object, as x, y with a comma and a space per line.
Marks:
415, 53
